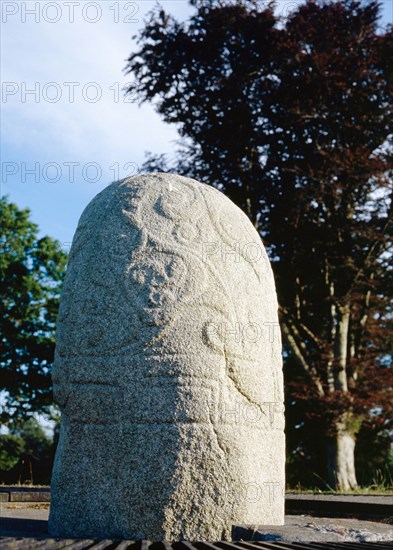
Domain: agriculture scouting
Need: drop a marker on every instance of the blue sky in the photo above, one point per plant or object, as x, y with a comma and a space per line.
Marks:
75, 134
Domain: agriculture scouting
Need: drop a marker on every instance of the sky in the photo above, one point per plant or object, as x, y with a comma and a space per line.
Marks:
67, 130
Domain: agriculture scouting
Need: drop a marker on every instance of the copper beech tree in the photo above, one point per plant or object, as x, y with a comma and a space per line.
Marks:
291, 117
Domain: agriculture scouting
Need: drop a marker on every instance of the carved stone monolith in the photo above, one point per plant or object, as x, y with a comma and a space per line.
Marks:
167, 370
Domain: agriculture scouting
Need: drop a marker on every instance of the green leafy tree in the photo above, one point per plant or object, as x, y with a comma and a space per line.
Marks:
292, 119
36, 441
11, 449
31, 273
28, 453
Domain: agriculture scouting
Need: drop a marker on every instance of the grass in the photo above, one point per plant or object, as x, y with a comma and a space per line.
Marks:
382, 484
371, 490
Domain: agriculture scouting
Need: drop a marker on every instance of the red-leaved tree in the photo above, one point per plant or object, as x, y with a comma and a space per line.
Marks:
291, 117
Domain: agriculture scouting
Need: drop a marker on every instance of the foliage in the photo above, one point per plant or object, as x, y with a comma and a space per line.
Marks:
32, 460
375, 455
36, 441
292, 119
11, 448
31, 272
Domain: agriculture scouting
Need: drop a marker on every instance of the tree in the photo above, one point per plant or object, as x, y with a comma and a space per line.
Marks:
31, 272
292, 119
11, 448
26, 453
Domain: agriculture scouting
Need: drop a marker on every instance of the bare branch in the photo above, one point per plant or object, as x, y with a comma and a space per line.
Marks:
301, 359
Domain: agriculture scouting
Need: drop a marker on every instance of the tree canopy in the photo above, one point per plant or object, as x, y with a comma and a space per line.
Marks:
26, 453
31, 273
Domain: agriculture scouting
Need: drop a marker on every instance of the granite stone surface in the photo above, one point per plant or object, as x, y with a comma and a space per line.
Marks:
168, 369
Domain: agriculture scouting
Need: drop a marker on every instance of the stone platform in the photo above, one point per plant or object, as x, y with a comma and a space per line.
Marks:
24, 526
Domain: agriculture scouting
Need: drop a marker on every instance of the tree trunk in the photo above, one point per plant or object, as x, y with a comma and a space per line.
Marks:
341, 348
341, 459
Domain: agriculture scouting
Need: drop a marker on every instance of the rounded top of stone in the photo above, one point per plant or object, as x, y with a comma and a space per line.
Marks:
182, 192
169, 210
155, 261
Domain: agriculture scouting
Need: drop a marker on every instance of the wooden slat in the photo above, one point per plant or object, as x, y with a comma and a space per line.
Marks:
226, 545
80, 544
258, 544
20, 543
126, 545
102, 544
